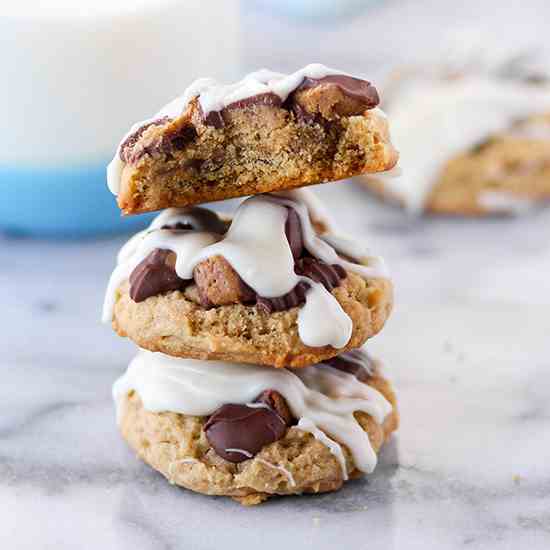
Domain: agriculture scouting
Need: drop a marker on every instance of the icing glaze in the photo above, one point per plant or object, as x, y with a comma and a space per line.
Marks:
257, 248
505, 202
240, 451
307, 425
322, 398
214, 96
433, 121
536, 130
314, 205
284, 471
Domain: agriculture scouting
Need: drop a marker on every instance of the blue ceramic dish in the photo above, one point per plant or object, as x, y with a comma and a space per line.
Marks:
61, 202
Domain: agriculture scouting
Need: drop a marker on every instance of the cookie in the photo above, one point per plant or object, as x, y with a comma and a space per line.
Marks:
268, 132
482, 150
251, 433
270, 290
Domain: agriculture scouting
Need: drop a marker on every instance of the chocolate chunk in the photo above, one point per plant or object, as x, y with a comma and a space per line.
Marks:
268, 98
274, 400
154, 275
355, 362
302, 115
177, 139
328, 275
293, 231
245, 428
199, 219
296, 297
358, 89
127, 145
179, 226
215, 119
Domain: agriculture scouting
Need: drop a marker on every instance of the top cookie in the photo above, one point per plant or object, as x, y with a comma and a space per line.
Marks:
266, 133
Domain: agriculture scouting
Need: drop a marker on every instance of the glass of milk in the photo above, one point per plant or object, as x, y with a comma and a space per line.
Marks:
75, 76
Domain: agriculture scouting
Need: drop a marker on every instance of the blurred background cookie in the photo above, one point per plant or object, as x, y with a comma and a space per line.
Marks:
472, 143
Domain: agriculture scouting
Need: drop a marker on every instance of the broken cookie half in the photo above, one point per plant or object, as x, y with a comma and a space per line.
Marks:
267, 132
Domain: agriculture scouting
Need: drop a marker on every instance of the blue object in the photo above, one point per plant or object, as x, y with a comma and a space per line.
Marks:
317, 10
66, 202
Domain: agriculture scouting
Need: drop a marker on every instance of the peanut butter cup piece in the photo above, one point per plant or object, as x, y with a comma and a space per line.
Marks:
335, 96
155, 275
355, 362
219, 284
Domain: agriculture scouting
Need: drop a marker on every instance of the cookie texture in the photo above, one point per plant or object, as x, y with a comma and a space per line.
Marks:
505, 174
176, 445
176, 324
259, 147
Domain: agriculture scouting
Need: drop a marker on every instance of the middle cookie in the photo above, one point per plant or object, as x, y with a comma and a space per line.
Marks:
272, 287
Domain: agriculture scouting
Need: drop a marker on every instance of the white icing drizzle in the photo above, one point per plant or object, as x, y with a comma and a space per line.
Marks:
323, 397
315, 206
257, 248
538, 130
284, 471
505, 202
356, 250
307, 425
432, 121
239, 451
214, 96
321, 320
321, 248
258, 405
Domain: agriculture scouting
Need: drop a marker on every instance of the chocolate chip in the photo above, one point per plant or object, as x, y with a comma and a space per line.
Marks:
179, 226
178, 139
300, 113
242, 428
293, 231
355, 362
128, 144
154, 275
274, 400
199, 219
214, 118
328, 275
296, 297
268, 98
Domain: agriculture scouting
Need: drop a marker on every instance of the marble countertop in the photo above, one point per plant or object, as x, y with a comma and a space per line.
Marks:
467, 348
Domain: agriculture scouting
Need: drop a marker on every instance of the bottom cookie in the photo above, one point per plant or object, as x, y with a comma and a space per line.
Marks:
252, 432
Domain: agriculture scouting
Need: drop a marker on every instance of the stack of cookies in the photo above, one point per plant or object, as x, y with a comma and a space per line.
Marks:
249, 381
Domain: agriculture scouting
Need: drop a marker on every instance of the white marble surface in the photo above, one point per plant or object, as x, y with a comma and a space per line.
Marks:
467, 348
